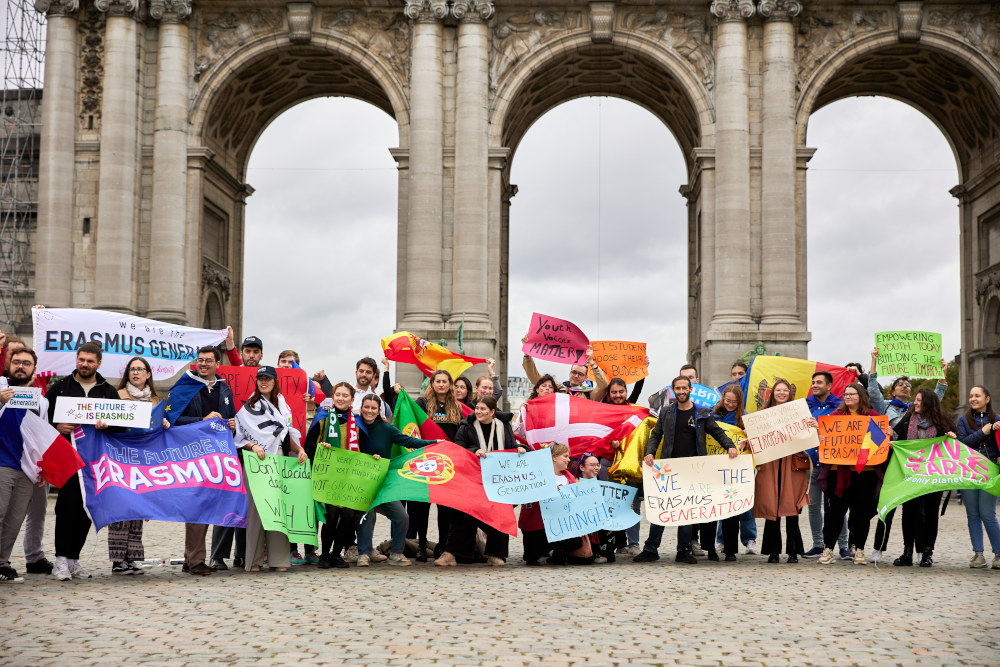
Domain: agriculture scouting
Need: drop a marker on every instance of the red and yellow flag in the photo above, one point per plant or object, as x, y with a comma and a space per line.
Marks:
765, 370
404, 347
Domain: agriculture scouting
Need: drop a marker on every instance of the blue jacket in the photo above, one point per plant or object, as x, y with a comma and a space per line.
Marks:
894, 409
817, 409
973, 437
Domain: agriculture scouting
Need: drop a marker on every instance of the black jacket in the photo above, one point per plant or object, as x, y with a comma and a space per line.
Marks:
466, 436
664, 431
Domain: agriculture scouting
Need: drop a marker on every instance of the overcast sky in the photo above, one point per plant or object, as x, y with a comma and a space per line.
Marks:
598, 231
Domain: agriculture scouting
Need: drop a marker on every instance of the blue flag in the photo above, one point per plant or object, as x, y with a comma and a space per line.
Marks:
180, 395
158, 414
185, 473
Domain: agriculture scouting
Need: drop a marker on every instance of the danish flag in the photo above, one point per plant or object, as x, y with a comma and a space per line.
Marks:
584, 425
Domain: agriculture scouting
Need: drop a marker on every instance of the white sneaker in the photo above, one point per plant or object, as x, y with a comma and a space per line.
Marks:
61, 569
600, 560
634, 550
379, 557
351, 554
826, 557
751, 547
978, 560
621, 550
400, 559
363, 560
76, 570
859, 557
720, 547
876, 556
696, 549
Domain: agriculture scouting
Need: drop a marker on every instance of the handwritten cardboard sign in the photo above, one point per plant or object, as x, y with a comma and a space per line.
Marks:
553, 339
72, 410
282, 493
620, 359
26, 398
292, 382
697, 489
913, 353
512, 479
588, 506
842, 437
780, 431
347, 479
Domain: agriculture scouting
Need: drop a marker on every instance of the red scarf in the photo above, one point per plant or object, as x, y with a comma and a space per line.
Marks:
331, 431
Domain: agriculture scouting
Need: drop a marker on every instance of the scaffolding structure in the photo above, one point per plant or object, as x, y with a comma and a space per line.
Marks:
22, 55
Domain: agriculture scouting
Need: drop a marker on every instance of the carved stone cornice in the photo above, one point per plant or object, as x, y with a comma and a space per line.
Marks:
779, 10
170, 11
732, 10
426, 11
300, 21
472, 11
213, 275
127, 8
57, 7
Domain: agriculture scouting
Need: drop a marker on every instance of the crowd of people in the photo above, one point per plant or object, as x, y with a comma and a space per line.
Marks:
841, 500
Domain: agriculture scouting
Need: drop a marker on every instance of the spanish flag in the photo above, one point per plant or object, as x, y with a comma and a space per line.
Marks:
763, 372
404, 347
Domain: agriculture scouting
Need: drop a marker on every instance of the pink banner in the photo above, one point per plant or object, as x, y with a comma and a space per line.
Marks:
556, 340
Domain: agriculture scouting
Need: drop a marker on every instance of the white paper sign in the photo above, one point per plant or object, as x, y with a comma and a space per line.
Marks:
72, 410
28, 398
780, 431
169, 348
697, 489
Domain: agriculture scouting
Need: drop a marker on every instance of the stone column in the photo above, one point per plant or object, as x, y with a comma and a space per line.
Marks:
422, 307
778, 169
469, 264
166, 289
54, 247
116, 213
732, 164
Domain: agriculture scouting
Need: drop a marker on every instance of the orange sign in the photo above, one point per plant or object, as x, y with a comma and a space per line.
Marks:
843, 437
621, 359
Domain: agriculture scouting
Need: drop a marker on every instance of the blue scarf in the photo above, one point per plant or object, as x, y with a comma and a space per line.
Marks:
899, 404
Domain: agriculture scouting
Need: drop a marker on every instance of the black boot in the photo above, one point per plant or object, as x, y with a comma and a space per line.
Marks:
927, 561
905, 558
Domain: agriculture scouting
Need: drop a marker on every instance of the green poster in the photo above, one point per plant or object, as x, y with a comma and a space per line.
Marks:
918, 467
347, 479
282, 492
913, 353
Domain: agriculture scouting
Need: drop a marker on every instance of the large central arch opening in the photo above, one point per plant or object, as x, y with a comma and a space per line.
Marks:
602, 138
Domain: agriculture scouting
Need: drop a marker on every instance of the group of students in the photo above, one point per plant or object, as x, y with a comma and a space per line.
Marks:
356, 417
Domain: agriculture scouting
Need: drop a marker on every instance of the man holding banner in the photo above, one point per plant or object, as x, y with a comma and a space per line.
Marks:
199, 397
72, 522
680, 432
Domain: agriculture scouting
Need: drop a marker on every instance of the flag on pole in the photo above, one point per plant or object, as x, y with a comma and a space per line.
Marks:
404, 347
764, 370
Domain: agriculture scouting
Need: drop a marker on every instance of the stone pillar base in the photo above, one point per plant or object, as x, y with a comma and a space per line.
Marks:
724, 347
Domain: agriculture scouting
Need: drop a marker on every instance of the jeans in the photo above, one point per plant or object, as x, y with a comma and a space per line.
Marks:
396, 514
748, 528
684, 534
817, 501
981, 510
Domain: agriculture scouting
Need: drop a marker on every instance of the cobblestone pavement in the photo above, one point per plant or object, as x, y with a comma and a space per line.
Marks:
747, 613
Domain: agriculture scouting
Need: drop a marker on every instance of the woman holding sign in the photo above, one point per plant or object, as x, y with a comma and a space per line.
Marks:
530, 519
263, 425
378, 439
782, 490
125, 537
849, 489
977, 429
482, 432
924, 419
338, 428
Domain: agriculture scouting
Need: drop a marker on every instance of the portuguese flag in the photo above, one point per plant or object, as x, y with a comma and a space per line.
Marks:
448, 475
414, 422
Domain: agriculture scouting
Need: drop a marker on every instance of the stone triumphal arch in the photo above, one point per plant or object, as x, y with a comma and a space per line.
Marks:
152, 107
